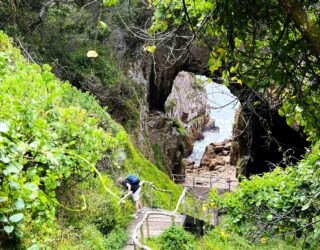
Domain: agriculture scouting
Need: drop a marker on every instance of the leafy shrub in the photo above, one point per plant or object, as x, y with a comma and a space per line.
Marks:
283, 202
220, 239
180, 127
175, 238
45, 134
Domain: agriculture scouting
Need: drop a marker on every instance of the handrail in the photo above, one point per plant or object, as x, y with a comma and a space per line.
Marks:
212, 178
202, 176
183, 194
172, 214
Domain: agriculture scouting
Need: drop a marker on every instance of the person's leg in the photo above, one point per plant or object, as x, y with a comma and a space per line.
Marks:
136, 197
138, 205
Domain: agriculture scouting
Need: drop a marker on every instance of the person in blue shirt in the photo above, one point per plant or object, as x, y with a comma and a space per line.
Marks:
135, 188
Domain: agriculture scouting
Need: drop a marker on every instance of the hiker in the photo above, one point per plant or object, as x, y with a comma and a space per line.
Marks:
132, 184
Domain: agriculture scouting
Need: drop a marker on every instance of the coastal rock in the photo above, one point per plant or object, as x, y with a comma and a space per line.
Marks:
210, 126
187, 106
187, 163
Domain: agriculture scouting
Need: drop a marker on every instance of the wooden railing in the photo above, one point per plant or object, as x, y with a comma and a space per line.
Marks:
183, 201
212, 179
145, 220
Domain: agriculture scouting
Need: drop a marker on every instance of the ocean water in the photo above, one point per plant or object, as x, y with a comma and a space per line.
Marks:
223, 106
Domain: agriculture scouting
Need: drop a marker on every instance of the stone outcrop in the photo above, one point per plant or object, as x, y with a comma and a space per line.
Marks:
187, 103
216, 156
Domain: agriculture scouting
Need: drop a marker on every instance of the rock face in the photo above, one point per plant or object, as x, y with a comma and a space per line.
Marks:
171, 134
216, 156
187, 100
259, 135
187, 103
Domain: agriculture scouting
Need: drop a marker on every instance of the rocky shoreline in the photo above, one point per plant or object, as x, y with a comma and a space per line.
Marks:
215, 162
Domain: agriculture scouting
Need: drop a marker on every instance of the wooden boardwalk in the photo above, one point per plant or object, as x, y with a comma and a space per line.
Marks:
158, 223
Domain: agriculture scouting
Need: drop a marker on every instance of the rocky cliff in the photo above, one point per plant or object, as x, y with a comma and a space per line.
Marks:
262, 139
187, 103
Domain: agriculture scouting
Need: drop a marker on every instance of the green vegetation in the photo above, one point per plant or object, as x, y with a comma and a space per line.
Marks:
283, 203
180, 127
220, 239
171, 104
173, 238
158, 157
52, 136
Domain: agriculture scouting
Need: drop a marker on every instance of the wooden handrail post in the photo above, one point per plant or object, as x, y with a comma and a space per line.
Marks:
142, 233
147, 225
170, 200
142, 194
173, 219
229, 184
184, 205
151, 197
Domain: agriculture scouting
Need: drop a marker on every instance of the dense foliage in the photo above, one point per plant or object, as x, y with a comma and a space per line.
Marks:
282, 203
175, 237
51, 138
46, 128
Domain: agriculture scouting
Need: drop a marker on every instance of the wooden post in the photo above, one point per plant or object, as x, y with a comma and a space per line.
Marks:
210, 181
142, 195
194, 210
151, 197
229, 182
184, 205
147, 225
134, 246
170, 200
173, 219
142, 234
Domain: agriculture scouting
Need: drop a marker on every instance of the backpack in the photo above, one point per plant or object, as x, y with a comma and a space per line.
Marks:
134, 180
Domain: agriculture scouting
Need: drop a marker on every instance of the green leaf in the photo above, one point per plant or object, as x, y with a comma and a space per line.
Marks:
234, 69
280, 111
16, 217
109, 3
31, 186
8, 229
269, 217
34, 247
151, 49
3, 218
103, 25
3, 197
290, 120
4, 128
306, 206
14, 168
19, 204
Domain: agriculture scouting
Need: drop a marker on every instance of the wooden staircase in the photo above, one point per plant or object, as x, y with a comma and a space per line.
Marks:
156, 224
